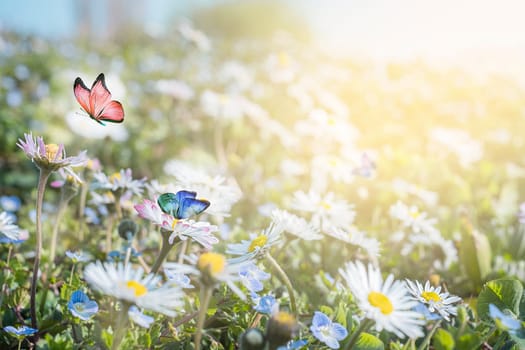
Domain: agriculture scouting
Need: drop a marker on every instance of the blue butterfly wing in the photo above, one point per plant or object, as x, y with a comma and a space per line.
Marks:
169, 203
191, 207
182, 195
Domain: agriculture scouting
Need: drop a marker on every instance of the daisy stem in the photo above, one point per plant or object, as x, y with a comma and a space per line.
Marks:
164, 250
42, 181
128, 255
284, 278
120, 326
205, 300
20, 344
429, 335
81, 209
363, 326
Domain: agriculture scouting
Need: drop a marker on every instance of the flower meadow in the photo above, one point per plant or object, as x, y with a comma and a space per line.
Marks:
255, 194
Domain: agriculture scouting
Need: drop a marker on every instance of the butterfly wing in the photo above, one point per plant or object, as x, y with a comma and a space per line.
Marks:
113, 113
169, 203
82, 95
100, 97
191, 207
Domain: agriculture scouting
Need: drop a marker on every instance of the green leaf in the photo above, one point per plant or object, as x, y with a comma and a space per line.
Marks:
505, 293
443, 340
469, 341
367, 341
475, 255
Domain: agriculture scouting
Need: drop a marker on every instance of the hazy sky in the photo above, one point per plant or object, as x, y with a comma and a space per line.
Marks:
484, 31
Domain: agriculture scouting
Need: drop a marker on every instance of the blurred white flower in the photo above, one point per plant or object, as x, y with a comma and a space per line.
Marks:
327, 212
175, 88
221, 192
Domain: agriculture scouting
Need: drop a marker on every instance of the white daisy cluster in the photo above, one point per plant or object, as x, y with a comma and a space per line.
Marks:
421, 232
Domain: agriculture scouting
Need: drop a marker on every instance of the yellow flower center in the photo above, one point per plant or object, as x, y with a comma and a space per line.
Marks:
325, 205
51, 151
138, 288
115, 177
330, 121
110, 196
414, 213
258, 242
284, 59
380, 301
333, 162
285, 318
224, 99
174, 223
212, 262
431, 296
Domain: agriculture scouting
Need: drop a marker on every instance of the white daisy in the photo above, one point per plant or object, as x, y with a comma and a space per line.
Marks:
257, 245
355, 237
432, 297
122, 180
8, 227
200, 231
296, 225
130, 285
387, 302
211, 269
327, 212
412, 217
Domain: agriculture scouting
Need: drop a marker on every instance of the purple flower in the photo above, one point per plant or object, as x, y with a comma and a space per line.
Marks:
51, 156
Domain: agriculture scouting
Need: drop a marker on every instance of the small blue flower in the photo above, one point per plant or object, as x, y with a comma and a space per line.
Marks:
139, 318
91, 216
251, 277
327, 331
21, 331
81, 306
23, 235
427, 315
266, 304
504, 321
78, 256
178, 279
294, 345
10, 203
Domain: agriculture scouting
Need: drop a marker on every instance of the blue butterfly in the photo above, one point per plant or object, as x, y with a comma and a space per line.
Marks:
182, 205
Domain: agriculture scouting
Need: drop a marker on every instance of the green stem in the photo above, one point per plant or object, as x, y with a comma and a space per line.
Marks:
71, 276
81, 209
20, 344
284, 278
7, 275
120, 326
164, 250
52, 251
429, 335
42, 181
363, 326
205, 300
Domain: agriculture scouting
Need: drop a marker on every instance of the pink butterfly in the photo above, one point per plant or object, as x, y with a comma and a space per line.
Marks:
97, 102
